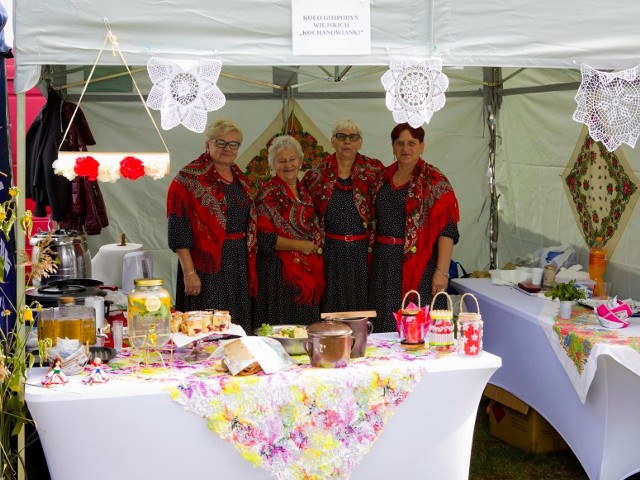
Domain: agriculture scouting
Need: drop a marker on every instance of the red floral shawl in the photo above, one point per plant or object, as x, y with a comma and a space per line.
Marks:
364, 173
197, 192
431, 205
279, 212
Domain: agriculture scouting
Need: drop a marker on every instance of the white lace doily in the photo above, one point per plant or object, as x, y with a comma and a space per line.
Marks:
609, 104
184, 93
415, 90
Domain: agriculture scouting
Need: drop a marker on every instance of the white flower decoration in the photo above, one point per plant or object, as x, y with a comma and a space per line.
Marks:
184, 94
415, 90
609, 104
109, 171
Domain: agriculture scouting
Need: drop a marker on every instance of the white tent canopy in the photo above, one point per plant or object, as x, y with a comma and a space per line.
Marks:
545, 33
536, 134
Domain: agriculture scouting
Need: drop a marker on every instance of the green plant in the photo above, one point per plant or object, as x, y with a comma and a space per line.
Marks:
566, 292
16, 324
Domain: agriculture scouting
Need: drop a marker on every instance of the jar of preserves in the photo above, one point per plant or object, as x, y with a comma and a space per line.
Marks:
149, 314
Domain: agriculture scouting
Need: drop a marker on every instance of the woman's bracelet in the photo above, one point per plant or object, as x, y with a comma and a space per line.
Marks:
446, 274
190, 273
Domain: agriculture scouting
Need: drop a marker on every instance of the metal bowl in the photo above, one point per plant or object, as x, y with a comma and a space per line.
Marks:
293, 346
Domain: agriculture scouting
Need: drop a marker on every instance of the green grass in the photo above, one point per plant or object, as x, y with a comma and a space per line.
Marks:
493, 459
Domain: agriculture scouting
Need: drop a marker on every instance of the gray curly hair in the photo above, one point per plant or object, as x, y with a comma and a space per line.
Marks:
282, 143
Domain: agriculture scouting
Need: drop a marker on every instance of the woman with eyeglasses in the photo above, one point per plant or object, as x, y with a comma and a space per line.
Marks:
290, 269
416, 214
213, 229
340, 188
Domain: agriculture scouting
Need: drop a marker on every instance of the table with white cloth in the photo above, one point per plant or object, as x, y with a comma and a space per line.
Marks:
587, 387
155, 427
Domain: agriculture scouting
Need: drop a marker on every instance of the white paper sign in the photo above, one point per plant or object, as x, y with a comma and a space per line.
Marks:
331, 27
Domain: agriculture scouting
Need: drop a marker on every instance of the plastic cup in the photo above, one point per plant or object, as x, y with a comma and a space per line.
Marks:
118, 330
536, 276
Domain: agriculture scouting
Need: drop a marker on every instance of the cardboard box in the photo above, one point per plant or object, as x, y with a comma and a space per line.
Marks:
515, 422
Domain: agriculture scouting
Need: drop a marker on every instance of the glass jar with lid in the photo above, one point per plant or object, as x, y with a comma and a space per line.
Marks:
67, 320
149, 314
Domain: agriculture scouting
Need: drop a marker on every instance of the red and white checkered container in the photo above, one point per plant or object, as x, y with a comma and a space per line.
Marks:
441, 334
469, 330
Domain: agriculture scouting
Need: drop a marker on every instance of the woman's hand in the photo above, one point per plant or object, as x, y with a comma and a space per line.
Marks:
307, 247
192, 284
439, 283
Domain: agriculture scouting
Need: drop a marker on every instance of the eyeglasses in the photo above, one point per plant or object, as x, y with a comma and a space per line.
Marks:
222, 144
354, 137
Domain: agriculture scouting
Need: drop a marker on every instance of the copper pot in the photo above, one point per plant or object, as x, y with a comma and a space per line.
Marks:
329, 344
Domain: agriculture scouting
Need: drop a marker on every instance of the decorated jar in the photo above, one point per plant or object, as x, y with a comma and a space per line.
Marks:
441, 329
149, 314
469, 330
412, 322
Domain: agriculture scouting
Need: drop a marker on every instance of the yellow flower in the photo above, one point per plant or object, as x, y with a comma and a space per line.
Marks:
13, 192
27, 314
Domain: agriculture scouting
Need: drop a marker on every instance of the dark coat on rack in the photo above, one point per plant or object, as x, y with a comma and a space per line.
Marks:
78, 204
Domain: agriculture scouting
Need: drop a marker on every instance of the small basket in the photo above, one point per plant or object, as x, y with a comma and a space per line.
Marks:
441, 332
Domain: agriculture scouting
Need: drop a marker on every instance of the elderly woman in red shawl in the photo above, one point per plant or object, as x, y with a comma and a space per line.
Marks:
212, 228
290, 267
340, 187
416, 214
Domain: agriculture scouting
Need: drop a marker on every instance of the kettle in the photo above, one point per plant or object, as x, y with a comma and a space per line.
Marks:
136, 265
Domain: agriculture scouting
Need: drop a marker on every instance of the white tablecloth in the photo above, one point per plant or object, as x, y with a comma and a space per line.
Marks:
604, 431
135, 430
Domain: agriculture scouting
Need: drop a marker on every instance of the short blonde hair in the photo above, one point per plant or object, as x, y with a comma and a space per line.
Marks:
282, 143
220, 127
346, 124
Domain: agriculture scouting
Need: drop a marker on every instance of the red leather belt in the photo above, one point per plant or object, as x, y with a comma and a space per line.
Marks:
235, 236
389, 240
347, 238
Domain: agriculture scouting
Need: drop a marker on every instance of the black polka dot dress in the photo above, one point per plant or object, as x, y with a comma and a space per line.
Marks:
227, 289
345, 263
385, 285
276, 303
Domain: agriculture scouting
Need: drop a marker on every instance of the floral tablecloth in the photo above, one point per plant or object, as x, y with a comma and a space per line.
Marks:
299, 423
579, 341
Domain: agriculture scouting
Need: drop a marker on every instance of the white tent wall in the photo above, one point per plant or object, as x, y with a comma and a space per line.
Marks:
538, 137
456, 143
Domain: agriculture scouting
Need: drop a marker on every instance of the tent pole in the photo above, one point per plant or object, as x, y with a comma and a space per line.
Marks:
21, 134
492, 101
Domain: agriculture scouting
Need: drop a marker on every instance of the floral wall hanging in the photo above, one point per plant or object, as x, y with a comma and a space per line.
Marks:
184, 92
602, 191
415, 90
609, 104
314, 144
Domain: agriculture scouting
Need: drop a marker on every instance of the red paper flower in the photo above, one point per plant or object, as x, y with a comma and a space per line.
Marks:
87, 167
131, 168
